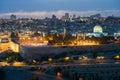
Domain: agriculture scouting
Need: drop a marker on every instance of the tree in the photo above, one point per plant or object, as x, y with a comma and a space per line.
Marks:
2, 75
95, 54
57, 69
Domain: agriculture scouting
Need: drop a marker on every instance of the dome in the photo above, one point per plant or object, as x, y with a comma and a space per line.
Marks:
98, 29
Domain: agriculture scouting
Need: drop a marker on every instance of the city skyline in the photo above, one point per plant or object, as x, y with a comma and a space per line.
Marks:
60, 39
45, 8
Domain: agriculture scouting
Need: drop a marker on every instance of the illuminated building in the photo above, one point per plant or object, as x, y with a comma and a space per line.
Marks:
97, 32
98, 29
28, 39
116, 35
7, 44
14, 47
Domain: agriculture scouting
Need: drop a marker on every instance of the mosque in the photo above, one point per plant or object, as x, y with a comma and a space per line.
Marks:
98, 29
97, 32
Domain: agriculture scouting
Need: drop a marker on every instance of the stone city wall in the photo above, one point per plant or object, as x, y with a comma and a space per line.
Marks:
34, 52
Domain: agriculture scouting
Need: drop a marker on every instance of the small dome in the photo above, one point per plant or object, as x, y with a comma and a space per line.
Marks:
98, 29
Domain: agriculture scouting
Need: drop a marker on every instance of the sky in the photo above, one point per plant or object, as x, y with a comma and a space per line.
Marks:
42, 8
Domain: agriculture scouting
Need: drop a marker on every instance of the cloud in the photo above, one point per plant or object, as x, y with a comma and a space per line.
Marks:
59, 13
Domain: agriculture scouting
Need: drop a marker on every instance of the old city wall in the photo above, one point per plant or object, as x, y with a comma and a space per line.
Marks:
34, 52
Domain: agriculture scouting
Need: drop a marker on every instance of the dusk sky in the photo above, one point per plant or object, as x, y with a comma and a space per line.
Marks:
42, 7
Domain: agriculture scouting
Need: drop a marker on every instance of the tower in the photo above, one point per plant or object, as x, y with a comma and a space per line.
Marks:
54, 19
67, 15
13, 17
64, 33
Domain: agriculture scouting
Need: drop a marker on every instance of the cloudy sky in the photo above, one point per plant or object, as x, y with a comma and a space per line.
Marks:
42, 8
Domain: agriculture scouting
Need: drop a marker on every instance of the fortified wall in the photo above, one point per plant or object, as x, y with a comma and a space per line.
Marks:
31, 52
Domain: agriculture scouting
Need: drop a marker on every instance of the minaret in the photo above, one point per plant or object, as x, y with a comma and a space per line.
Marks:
64, 33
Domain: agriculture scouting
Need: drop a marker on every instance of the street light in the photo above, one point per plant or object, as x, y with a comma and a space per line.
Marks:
67, 58
50, 59
34, 61
59, 74
83, 58
100, 57
117, 57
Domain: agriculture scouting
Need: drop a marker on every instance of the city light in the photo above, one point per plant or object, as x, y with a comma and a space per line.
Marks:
60, 40
117, 57
59, 74
18, 64
34, 61
50, 59
4, 63
67, 58
83, 58
100, 57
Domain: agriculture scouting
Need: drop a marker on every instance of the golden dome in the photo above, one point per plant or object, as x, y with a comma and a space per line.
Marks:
97, 29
